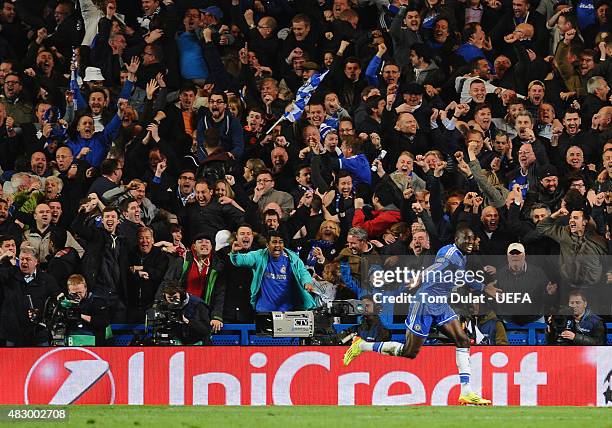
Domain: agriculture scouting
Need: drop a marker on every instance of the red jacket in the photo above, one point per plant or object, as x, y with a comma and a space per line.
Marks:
380, 222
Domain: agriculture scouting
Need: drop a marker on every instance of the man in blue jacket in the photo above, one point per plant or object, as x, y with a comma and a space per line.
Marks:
280, 279
584, 328
93, 146
218, 116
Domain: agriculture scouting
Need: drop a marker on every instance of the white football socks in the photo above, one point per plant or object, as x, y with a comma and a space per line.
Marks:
462, 357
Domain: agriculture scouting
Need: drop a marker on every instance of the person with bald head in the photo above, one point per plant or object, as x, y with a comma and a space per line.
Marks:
521, 12
39, 165
74, 174
39, 234
487, 225
524, 173
402, 134
602, 119
282, 169
530, 66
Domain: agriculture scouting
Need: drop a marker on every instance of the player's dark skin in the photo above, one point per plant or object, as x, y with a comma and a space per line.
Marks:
464, 239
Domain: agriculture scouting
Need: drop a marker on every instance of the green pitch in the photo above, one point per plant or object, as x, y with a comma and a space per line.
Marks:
328, 417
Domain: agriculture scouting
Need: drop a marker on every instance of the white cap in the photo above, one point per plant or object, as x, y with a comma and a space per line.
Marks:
222, 239
93, 73
515, 246
283, 33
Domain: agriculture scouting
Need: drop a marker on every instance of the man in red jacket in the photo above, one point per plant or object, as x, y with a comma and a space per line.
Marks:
376, 221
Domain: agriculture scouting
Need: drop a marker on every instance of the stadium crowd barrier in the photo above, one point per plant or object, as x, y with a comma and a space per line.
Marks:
244, 334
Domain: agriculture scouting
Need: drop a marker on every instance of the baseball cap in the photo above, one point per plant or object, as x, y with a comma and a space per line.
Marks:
515, 246
214, 11
310, 65
413, 89
547, 171
535, 82
199, 236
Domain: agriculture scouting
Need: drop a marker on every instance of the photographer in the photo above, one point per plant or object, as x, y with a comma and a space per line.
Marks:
370, 328
93, 310
25, 289
584, 328
193, 326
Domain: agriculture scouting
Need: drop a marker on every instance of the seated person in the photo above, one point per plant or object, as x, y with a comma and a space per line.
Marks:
584, 327
195, 326
94, 311
370, 327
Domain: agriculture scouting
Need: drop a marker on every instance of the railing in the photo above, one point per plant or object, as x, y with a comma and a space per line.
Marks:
244, 334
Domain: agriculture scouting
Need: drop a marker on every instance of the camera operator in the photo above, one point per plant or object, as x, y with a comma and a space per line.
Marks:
25, 289
94, 311
370, 328
194, 326
584, 327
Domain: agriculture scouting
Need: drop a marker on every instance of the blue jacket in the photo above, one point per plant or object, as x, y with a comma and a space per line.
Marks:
191, 56
359, 167
80, 102
468, 52
386, 313
589, 331
258, 260
230, 132
99, 143
372, 70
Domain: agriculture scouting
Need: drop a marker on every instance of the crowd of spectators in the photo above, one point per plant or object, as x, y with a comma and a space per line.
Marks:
141, 148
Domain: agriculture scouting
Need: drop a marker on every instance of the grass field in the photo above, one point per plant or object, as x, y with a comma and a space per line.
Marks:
321, 416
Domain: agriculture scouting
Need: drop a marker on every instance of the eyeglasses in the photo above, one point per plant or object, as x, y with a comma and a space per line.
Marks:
12, 82
264, 180
216, 102
186, 178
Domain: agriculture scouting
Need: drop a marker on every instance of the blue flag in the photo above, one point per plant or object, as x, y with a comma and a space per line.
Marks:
303, 96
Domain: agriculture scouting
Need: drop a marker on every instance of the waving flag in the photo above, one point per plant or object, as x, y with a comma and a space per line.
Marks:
301, 99
303, 96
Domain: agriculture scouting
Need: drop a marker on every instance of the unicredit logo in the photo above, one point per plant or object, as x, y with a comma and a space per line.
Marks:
69, 376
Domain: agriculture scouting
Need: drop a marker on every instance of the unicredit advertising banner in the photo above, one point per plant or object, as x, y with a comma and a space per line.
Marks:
579, 376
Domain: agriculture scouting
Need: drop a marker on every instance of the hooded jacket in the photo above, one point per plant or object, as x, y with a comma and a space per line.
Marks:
380, 222
230, 132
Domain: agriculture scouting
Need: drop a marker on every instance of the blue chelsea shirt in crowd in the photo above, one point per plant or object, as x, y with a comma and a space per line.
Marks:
277, 286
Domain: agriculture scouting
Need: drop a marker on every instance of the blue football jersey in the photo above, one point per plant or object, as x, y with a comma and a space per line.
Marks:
439, 279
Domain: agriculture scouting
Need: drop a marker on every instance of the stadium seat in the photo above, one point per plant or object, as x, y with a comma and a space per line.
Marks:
272, 341
243, 329
517, 338
226, 339
121, 340
533, 337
